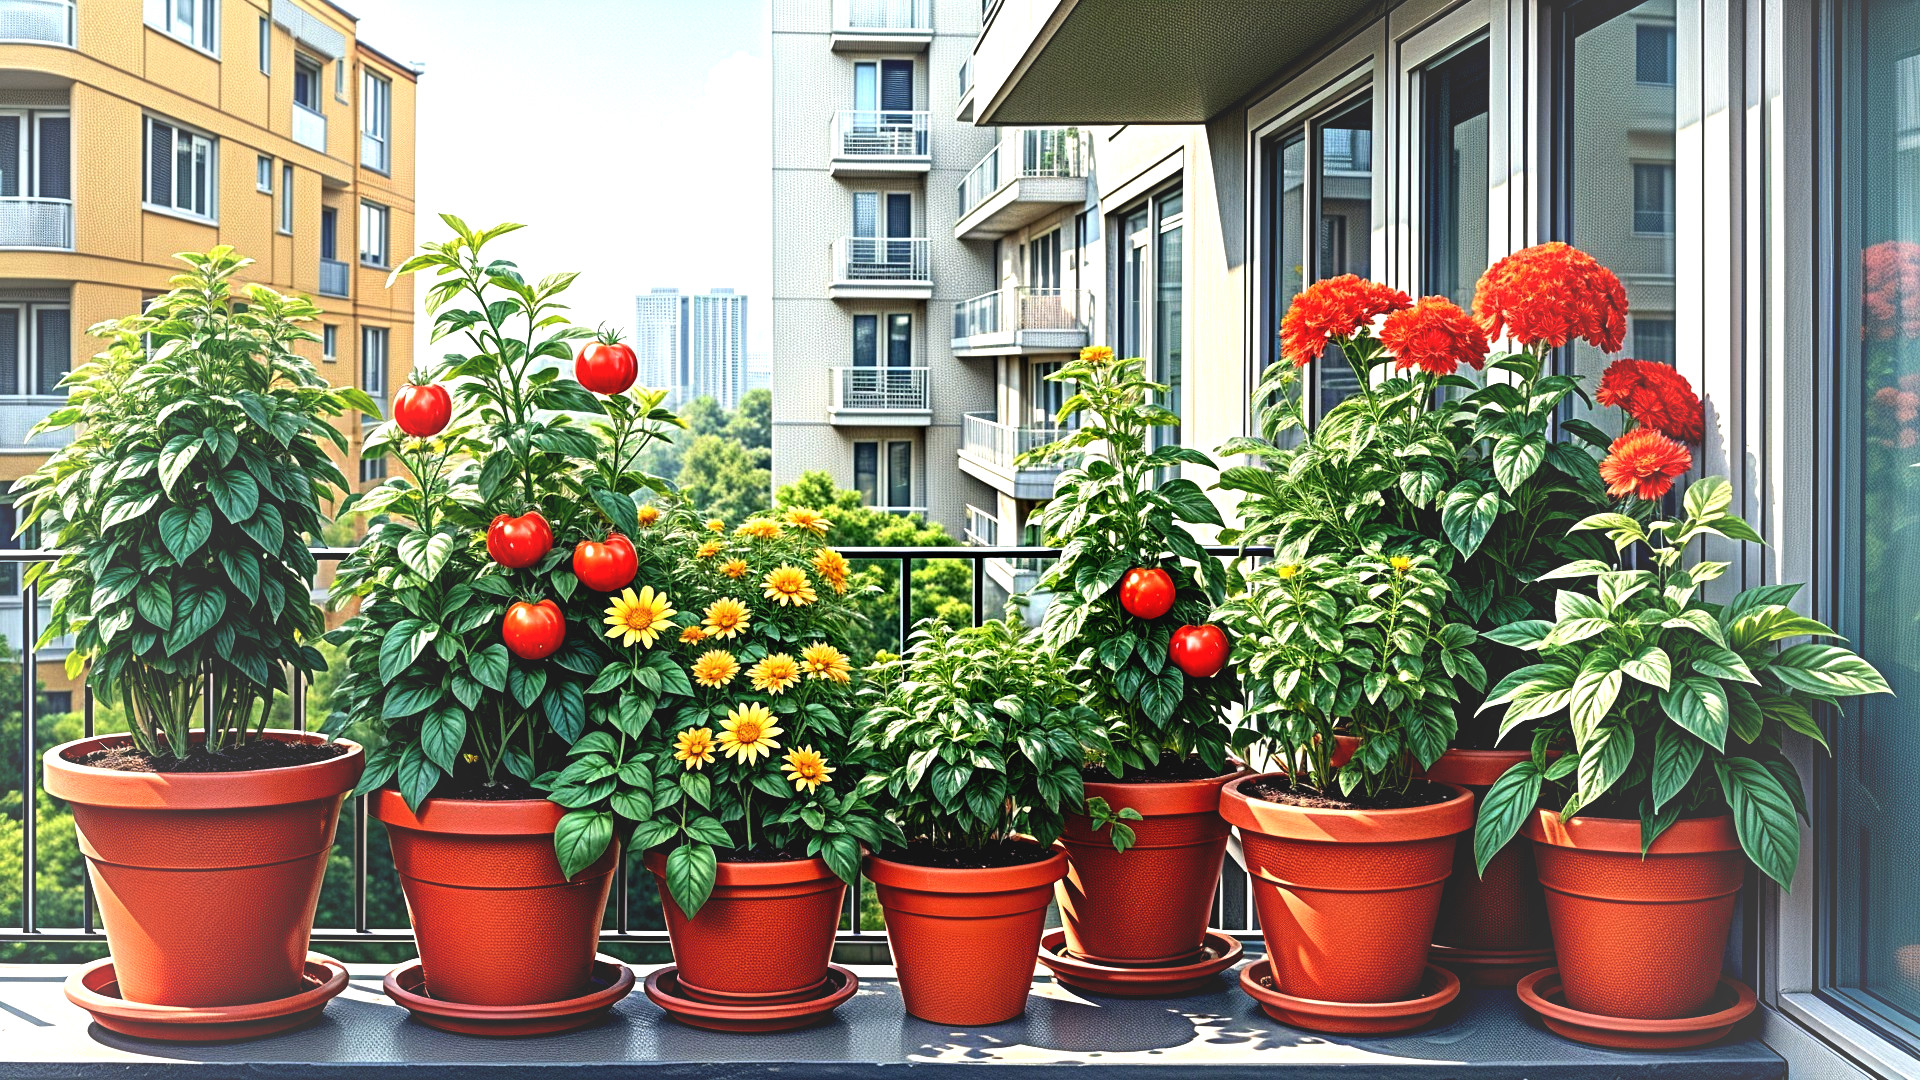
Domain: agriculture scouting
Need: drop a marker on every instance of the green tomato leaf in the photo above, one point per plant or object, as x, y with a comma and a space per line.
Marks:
581, 838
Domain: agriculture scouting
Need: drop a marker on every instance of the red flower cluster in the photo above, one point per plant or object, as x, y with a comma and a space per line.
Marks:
1645, 463
1334, 310
1894, 410
1656, 396
1435, 336
1552, 293
1890, 304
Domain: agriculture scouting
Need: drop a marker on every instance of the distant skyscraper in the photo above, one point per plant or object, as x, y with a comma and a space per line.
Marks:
759, 370
692, 344
658, 330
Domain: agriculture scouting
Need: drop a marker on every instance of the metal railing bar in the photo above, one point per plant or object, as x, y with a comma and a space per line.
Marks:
979, 589
86, 875
29, 775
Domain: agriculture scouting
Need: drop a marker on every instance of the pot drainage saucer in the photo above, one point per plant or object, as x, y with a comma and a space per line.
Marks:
1733, 1001
1218, 953
1490, 967
611, 981
95, 989
1438, 987
663, 989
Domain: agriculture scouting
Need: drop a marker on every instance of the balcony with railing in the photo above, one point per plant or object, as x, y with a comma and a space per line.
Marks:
309, 128
873, 396
1027, 175
19, 414
880, 268
1021, 321
882, 25
334, 277
43, 22
884, 142
990, 451
1015, 575
27, 222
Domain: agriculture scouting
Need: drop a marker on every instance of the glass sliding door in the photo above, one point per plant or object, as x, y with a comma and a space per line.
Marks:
1167, 309
1454, 170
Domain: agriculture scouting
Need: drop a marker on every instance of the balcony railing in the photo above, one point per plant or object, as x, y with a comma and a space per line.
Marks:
36, 223
983, 529
1012, 310
879, 389
885, 14
334, 275
309, 128
1045, 152
884, 133
48, 22
896, 260
1000, 445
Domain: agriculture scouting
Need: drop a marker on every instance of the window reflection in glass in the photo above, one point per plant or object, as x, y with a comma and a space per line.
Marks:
1344, 186
1167, 310
1286, 173
1455, 175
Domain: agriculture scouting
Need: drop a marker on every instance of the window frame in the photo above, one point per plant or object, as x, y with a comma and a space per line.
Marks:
263, 174
26, 341
28, 164
383, 258
305, 64
266, 45
286, 198
204, 37
176, 129
376, 120
1669, 193
329, 343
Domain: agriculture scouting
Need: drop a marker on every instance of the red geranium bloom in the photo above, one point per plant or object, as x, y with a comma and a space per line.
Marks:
1435, 336
1643, 462
1334, 310
1656, 396
1890, 304
1552, 293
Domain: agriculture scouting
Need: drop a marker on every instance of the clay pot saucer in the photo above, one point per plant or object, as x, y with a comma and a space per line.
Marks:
663, 989
1438, 987
95, 989
1732, 1002
1218, 953
1489, 967
612, 980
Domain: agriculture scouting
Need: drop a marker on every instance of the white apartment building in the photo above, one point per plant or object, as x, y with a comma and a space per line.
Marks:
692, 344
658, 335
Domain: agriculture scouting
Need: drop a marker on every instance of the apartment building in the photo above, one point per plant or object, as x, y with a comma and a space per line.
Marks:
1752, 173
130, 131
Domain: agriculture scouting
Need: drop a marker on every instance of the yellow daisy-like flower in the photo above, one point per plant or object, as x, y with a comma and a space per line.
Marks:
807, 769
747, 734
1097, 354
638, 617
711, 548
775, 673
788, 585
716, 525
823, 661
760, 529
1287, 570
1401, 563
808, 520
692, 635
832, 568
647, 515
715, 668
693, 747
734, 568
726, 617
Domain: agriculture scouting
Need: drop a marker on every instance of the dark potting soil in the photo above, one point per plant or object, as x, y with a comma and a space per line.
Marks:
758, 854
253, 755
508, 788
1004, 853
1418, 793
1169, 770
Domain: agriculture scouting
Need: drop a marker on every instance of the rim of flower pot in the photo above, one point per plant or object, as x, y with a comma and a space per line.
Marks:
468, 817
1164, 798
1328, 825
1473, 768
1688, 836
281, 785
977, 879
771, 872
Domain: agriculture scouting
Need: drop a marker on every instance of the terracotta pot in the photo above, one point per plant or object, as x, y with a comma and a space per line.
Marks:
964, 941
1347, 898
1638, 938
1149, 904
496, 922
207, 882
1502, 910
765, 934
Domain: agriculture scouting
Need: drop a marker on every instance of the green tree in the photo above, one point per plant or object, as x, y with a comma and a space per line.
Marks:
726, 479
751, 424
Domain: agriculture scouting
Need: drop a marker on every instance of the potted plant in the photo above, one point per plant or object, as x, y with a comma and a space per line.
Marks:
186, 500
1133, 591
1674, 709
977, 737
480, 588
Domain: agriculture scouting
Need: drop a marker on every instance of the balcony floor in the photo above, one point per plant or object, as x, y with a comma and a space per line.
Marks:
1486, 1036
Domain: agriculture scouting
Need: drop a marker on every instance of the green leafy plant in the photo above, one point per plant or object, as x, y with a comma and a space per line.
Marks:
186, 500
977, 737
1672, 706
1118, 508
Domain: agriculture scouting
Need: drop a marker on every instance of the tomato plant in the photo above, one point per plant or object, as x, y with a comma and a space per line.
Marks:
533, 631
1200, 651
1147, 592
422, 409
606, 565
606, 365
519, 542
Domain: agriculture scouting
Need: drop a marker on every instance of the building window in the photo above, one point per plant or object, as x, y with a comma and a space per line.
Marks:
372, 469
36, 151
891, 477
55, 702
376, 123
195, 22
373, 361
306, 82
1454, 174
866, 472
266, 45
36, 349
1653, 339
899, 474
1655, 54
340, 78
1653, 198
286, 198
182, 168
263, 174
866, 341
373, 234
329, 343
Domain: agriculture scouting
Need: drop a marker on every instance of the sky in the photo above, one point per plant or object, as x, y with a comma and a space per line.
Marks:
631, 137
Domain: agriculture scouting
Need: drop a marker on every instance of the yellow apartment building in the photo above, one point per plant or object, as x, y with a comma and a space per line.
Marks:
134, 129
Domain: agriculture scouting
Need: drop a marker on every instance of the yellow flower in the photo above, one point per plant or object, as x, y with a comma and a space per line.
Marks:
807, 769
734, 568
1287, 570
760, 529
641, 617
716, 525
692, 635
711, 548
775, 673
788, 585
823, 661
1097, 354
832, 568
647, 515
694, 747
726, 617
747, 733
715, 668
1401, 563
808, 520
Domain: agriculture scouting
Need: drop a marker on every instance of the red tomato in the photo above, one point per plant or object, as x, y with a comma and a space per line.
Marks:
1200, 651
519, 541
606, 565
533, 631
606, 366
422, 411
1146, 592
